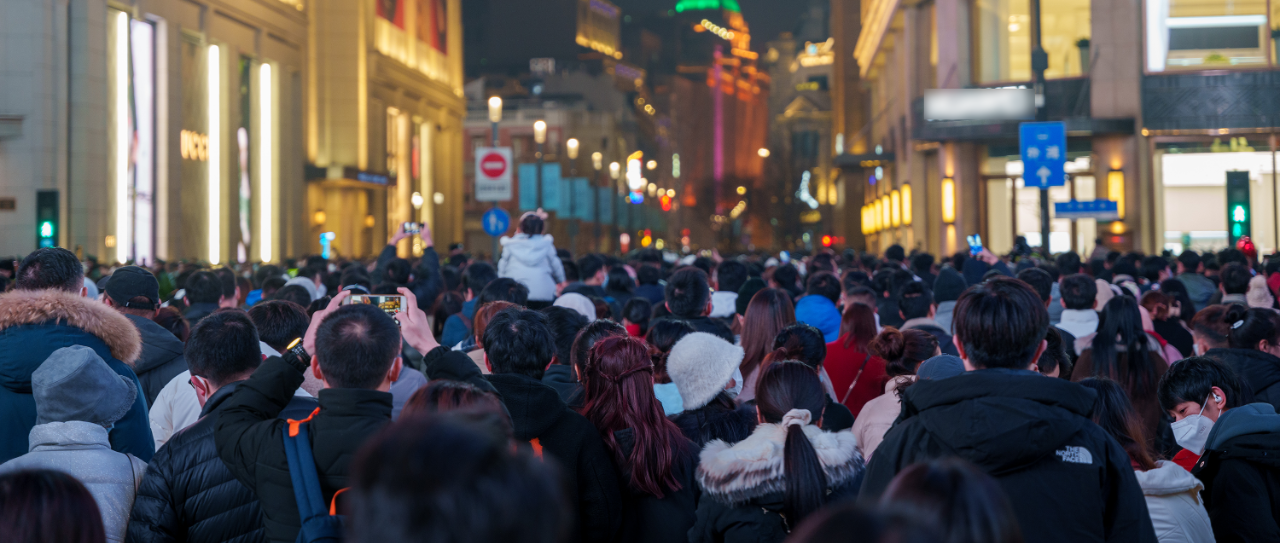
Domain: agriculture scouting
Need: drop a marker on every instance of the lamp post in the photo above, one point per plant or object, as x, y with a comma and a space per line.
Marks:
597, 162
571, 148
615, 170
495, 116
539, 136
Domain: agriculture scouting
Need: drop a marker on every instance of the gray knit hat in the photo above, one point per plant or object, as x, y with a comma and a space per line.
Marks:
700, 365
75, 384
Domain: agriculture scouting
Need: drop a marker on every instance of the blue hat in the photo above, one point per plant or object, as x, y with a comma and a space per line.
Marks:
940, 367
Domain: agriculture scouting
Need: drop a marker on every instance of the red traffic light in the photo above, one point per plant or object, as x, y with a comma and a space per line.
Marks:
826, 241
665, 201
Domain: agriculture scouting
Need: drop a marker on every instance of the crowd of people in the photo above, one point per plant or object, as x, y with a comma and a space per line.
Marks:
648, 398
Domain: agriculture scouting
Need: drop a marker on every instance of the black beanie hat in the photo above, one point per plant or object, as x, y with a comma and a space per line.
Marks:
948, 286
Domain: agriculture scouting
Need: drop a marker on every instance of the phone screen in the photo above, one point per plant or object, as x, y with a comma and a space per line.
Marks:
975, 244
412, 227
390, 303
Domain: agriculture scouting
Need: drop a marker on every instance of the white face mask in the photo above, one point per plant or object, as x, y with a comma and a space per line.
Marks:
737, 383
1192, 432
1195, 347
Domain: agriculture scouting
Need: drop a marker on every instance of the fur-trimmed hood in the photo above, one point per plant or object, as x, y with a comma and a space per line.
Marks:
754, 467
23, 307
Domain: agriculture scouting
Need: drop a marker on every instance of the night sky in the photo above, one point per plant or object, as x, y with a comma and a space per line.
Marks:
767, 18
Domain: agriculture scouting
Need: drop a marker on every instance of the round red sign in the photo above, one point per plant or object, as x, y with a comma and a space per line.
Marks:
493, 165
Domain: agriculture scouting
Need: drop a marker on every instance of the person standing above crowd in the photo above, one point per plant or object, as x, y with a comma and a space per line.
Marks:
902, 351
1253, 337
530, 258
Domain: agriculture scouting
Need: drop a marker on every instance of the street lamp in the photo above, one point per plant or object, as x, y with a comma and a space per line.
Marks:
764, 153
615, 170
652, 165
495, 116
597, 161
540, 136
572, 148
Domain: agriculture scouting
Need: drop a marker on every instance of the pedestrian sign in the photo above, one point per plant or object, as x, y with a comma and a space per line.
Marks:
496, 221
1044, 154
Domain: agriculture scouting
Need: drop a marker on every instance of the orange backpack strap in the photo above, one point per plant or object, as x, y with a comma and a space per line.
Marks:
537, 448
293, 424
333, 504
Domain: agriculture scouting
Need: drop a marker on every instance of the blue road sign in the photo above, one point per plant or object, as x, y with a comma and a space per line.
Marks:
496, 221
1044, 153
1104, 210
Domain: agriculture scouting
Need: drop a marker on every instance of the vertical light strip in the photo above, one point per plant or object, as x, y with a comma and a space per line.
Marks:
266, 175
215, 155
123, 230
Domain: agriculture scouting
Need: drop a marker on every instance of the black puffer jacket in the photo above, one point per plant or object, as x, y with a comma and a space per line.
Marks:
647, 518
1259, 370
1032, 434
716, 420
161, 358
188, 494
1241, 475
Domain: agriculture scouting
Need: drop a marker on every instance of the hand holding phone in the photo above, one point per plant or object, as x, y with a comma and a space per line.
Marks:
391, 304
412, 227
975, 244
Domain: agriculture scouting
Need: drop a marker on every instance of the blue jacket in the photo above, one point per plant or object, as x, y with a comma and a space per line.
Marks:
457, 330
33, 324
821, 313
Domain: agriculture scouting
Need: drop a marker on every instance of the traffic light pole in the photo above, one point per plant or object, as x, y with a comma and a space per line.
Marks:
1040, 63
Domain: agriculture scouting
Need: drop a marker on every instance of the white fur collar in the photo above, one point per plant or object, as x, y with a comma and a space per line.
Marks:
754, 467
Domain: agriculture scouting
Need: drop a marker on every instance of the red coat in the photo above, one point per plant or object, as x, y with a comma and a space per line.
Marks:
842, 365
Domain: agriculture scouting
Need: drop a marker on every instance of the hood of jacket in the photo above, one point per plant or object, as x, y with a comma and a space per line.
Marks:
1001, 420
22, 307
1255, 418
534, 407
529, 250
754, 467
1259, 369
161, 345
821, 313
1167, 479
73, 434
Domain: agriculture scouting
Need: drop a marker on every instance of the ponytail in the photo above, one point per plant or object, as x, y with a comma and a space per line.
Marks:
806, 480
790, 394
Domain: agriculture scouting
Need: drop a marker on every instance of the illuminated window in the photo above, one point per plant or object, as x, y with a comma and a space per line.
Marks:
1003, 40
1202, 34
393, 140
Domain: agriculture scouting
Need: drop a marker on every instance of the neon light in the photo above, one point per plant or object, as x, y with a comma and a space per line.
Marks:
697, 5
123, 139
266, 173
215, 154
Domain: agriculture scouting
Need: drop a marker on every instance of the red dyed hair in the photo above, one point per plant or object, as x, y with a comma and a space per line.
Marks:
618, 386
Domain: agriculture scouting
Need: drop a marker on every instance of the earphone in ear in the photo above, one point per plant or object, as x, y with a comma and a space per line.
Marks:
1216, 398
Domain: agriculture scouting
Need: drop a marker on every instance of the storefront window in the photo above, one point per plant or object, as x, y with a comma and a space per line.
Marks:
1192, 177
1014, 210
1206, 34
1003, 40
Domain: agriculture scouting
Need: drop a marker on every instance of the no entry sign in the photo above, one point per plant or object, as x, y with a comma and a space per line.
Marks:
493, 174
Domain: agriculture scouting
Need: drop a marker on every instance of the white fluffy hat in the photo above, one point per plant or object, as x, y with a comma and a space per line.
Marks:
700, 364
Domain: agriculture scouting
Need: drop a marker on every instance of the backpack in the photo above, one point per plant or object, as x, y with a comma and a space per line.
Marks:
318, 524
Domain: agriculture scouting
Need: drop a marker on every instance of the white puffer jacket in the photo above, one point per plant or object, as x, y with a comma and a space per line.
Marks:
532, 261
1173, 499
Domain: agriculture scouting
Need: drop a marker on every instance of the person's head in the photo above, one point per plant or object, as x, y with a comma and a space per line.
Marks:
662, 336
357, 346
1114, 413
279, 322
648, 275
824, 284
443, 395
1155, 269
730, 276
48, 506
958, 498
1157, 304
518, 341
786, 277
618, 391
172, 320
822, 262
51, 268
1199, 386
293, 293
769, 311
1039, 280
915, 301
895, 253
587, 339
1120, 332
904, 350
620, 280
836, 523
230, 290
1068, 263
1210, 330
591, 269
134, 291
922, 263
398, 271
565, 324
1079, 291
704, 367
504, 289
688, 295
1189, 262
1054, 361
476, 277
1000, 324
636, 313
452, 477
531, 224
801, 343
857, 326
205, 287
484, 314
1253, 328
75, 384
792, 391
1234, 278
223, 349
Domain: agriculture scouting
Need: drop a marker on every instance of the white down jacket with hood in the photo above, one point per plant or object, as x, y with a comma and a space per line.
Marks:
1173, 499
532, 261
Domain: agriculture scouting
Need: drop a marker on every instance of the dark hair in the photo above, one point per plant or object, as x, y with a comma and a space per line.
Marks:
800, 342
51, 267
452, 477
519, 341
730, 275
531, 224
292, 293
451, 278
589, 265
922, 263
206, 288
664, 335
1151, 268
620, 281
1114, 413
1210, 324
903, 350
788, 278
782, 387
914, 300
1079, 291
1156, 303
356, 346
1052, 270
1192, 379
1190, 260
687, 293
1039, 280
48, 506
824, 284
279, 322
448, 304
265, 271
853, 281
648, 275
483, 315
857, 327
1247, 327
1175, 289
1235, 278
172, 320
603, 309
223, 346
618, 394
895, 252
397, 272
637, 311
564, 324
271, 285
952, 494
1000, 323
837, 523
504, 289
227, 279
588, 337
443, 395
1068, 263
1120, 333
1055, 355
769, 312
477, 276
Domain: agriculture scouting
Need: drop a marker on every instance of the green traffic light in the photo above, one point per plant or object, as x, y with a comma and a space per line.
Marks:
46, 229
1238, 213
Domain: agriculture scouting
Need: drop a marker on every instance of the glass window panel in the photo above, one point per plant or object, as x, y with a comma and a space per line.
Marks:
1004, 39
1206, 34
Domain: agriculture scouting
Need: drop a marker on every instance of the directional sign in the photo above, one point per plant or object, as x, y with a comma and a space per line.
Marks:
493, 174
1103, 210
1044, 153
496, 222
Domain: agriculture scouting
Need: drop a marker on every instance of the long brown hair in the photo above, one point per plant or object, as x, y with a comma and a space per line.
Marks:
618, 387
768, 313
1114, 413
857, 327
